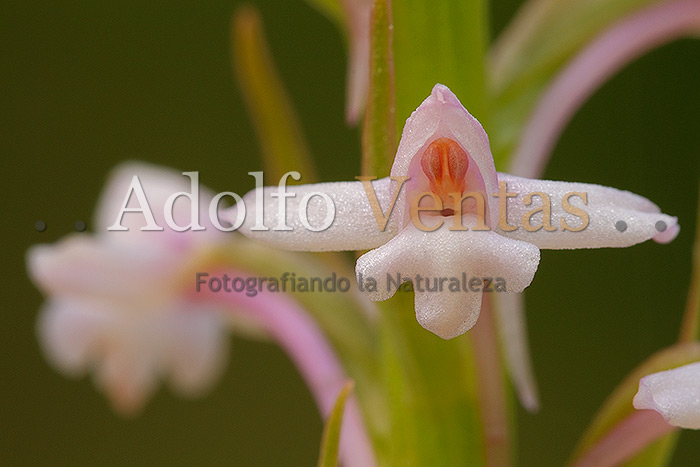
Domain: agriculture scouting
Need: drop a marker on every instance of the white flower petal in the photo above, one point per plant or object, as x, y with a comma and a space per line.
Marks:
675, 394
70, 334
86, 265
159, 184
127, 375
354, 225
616, 218
458, 255
196, 350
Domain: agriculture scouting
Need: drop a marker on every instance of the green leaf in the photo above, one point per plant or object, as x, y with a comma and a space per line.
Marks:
279, 133
440, 42
619, 404
331, 432
379, 133
543, 37
690, 329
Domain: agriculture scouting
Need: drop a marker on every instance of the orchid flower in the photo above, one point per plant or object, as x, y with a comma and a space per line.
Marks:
117, 300
122, 304
470, 226
674, 393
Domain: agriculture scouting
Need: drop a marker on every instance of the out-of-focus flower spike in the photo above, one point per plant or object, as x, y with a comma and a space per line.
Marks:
512, 328
619, 45
280, 136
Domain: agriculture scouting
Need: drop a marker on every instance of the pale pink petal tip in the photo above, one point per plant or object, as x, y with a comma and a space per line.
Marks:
444, 95
667, 233
675, 394
68, 335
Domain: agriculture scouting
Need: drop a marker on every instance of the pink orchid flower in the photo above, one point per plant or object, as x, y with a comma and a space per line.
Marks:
122, 304
445, 214
117, 299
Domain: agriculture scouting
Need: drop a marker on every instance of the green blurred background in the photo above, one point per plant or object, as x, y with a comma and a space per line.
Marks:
88, 84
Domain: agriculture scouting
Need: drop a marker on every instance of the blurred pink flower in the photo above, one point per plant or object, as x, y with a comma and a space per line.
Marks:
122, 304
117, 301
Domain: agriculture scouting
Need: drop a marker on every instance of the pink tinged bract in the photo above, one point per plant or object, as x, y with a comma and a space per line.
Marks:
626, 40
674, 393
359, 14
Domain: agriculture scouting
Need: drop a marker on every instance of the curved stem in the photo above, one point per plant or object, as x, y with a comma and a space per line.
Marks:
618, 46
290, 326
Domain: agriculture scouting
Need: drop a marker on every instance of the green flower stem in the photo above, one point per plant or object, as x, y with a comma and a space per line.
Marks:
379, 133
